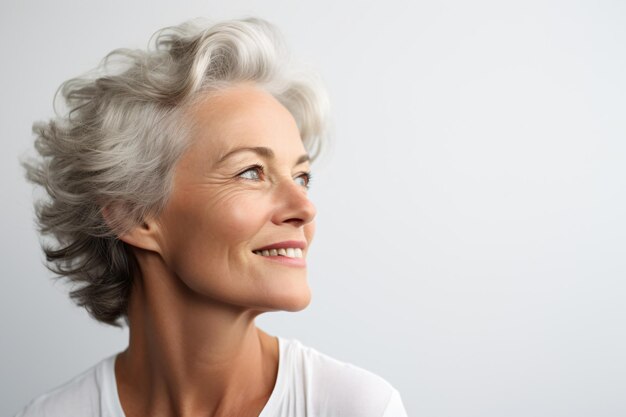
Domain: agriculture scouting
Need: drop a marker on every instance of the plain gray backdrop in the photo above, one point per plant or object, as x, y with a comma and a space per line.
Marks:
471, 241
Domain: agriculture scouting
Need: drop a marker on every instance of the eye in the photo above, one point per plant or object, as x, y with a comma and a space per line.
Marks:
304, 179
253, 173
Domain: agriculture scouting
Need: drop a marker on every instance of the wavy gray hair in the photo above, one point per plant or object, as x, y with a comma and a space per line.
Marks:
123, 131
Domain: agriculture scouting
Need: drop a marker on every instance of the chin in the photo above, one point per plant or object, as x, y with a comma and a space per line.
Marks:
298, 303
292, 300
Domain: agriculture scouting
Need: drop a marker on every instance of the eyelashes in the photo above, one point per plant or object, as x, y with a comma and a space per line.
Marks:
257, 173
307, 179
258, 170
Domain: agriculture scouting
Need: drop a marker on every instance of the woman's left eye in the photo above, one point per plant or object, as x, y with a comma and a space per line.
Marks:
253, 173
304, 179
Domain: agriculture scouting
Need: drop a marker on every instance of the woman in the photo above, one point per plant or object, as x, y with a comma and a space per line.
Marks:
178, 200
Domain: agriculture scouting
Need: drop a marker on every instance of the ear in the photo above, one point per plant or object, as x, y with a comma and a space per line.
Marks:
143, 236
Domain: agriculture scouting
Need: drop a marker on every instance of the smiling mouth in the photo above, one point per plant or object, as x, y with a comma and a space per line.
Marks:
286, 252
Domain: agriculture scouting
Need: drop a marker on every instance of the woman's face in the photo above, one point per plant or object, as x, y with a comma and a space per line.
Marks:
241, 186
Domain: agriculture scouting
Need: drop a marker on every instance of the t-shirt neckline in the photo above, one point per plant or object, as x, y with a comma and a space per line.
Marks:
113, 406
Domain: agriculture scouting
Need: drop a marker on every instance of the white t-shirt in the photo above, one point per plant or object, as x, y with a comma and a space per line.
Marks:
308, 384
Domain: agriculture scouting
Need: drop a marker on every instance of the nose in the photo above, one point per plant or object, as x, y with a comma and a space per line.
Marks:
293, 204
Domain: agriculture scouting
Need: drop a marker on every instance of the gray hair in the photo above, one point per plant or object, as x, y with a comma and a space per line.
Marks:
123, 131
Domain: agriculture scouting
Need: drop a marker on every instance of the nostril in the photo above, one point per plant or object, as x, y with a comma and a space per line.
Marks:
295, 222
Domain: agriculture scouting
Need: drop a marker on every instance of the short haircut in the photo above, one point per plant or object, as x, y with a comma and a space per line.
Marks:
123, 132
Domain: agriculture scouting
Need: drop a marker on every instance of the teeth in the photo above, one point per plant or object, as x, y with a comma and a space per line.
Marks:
287, 252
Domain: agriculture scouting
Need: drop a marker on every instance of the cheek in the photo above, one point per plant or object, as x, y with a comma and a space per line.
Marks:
208, 239
240, 219
196, 223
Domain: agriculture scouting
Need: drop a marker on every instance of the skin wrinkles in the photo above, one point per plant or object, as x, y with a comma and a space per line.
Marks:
194, 347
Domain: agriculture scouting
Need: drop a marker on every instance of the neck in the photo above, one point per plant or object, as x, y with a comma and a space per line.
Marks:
188, 355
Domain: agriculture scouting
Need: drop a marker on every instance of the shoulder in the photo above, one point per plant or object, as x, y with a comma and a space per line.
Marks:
342, 388
80, 396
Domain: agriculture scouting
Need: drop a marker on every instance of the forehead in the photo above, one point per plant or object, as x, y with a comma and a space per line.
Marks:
243, 116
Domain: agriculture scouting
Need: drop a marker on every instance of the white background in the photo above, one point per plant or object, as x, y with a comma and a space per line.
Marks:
471, 243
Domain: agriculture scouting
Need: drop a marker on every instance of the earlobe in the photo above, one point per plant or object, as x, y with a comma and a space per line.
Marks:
142, 236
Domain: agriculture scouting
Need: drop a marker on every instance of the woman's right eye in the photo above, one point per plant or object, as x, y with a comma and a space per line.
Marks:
253, 173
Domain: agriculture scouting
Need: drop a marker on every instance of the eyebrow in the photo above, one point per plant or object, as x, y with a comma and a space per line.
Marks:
261, 151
